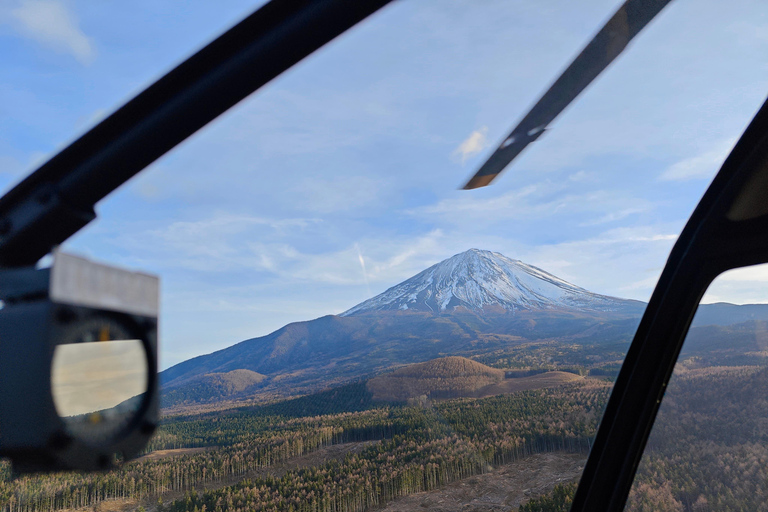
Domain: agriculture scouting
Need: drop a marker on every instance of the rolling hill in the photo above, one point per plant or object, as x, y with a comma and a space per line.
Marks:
216, 385
446, 377
456, 377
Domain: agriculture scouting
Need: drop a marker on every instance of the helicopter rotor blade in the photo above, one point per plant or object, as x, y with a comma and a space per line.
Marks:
607, 44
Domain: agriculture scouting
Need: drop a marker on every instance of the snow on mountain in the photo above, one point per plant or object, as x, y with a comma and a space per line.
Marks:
476, 279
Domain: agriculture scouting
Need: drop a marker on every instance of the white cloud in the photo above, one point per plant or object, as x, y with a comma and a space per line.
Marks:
516, 203
475, 143
740, 286
756, 273
748, 285
229, 244
537, 201
701, 166
51, 23
362, 267
623, 262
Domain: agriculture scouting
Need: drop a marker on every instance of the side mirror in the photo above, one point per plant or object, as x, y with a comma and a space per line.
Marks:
78, 365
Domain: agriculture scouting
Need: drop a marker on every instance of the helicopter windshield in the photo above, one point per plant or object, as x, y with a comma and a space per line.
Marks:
342, 327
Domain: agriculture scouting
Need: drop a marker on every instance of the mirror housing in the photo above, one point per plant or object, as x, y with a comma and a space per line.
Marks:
42, 309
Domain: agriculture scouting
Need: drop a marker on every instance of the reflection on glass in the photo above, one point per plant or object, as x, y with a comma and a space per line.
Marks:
709, 446
98, 385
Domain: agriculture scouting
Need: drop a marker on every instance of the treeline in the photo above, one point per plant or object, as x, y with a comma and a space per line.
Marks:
558, 499
352, 397
381, 473
217, 429
421, 449
708, 449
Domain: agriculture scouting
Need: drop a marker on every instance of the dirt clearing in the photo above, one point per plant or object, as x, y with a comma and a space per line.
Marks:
166, 454
503, 489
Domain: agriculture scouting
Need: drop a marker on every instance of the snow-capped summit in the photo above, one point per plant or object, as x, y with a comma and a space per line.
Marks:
476, 279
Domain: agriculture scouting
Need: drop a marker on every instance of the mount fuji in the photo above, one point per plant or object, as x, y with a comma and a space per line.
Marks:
472, 303
481, 280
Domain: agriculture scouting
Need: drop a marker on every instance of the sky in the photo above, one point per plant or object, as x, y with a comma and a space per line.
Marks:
341, 177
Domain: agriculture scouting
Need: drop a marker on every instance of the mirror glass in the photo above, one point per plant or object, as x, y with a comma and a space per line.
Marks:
98, 380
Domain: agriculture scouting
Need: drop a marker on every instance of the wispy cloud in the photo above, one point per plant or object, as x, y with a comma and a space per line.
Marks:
624, 262
217, 244
701, 166
362, 267
515, 203
581, 176
387, 261
475, 143
615, 216
50, 22
538, 201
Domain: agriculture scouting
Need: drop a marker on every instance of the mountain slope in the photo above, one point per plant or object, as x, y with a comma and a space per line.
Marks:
473, 303
479, 280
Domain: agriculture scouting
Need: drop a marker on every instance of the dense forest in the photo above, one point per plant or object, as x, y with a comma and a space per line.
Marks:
709, 447
558, 499
708, 450
418, 449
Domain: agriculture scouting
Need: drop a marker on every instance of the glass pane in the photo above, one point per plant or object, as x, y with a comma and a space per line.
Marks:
98, 379
708, 449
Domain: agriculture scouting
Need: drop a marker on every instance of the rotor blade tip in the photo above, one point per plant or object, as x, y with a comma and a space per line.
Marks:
480, 181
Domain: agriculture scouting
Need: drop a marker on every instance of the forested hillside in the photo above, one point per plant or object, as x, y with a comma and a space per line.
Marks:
212, 386
708, 449
307, 357
415, 449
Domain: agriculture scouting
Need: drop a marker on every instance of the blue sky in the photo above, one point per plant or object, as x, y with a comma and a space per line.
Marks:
340, 178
